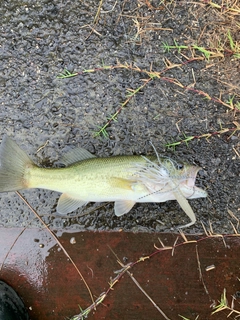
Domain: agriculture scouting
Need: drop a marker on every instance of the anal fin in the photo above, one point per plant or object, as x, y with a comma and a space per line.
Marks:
67, 203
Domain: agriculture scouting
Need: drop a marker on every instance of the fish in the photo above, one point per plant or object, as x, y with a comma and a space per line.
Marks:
124, 180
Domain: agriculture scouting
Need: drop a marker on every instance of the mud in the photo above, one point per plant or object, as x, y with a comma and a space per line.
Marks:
41, 39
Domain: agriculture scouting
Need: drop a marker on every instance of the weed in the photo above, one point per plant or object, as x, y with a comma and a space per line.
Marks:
224, 8
168, 47
209, 53
208, 135
66, 74
152, 75
224, 46
130, 94
184, 318
235, 47
223, 305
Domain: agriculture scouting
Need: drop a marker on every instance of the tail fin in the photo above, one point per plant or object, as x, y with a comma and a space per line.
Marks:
13, 164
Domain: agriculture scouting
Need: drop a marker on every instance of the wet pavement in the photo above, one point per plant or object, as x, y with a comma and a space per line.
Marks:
51, 288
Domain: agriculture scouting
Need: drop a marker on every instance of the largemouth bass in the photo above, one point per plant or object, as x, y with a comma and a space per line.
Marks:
122, 179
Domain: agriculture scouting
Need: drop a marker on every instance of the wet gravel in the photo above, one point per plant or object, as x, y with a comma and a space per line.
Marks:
39, 39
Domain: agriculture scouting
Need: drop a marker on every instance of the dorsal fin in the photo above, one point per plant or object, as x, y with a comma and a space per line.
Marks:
75, 155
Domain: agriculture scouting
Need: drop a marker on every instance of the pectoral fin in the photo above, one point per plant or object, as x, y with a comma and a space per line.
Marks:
186, 207
121, 183
122, 207
67, 204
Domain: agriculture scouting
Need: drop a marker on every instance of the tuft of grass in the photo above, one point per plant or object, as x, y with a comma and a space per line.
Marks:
235, 47
130, 94
153, 75
208, 135
232, 9
184, 318
168, 47
223, 305
66, 74
209, 53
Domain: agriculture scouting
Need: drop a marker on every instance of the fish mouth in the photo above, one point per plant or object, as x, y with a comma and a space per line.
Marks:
192, 174
189, 183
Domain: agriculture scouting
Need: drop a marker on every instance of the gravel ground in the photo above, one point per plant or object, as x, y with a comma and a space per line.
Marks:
39, 39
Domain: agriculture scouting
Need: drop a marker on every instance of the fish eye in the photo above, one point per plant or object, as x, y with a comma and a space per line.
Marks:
180, 166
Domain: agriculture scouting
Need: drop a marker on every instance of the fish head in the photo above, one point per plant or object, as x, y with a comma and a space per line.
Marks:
163, 177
